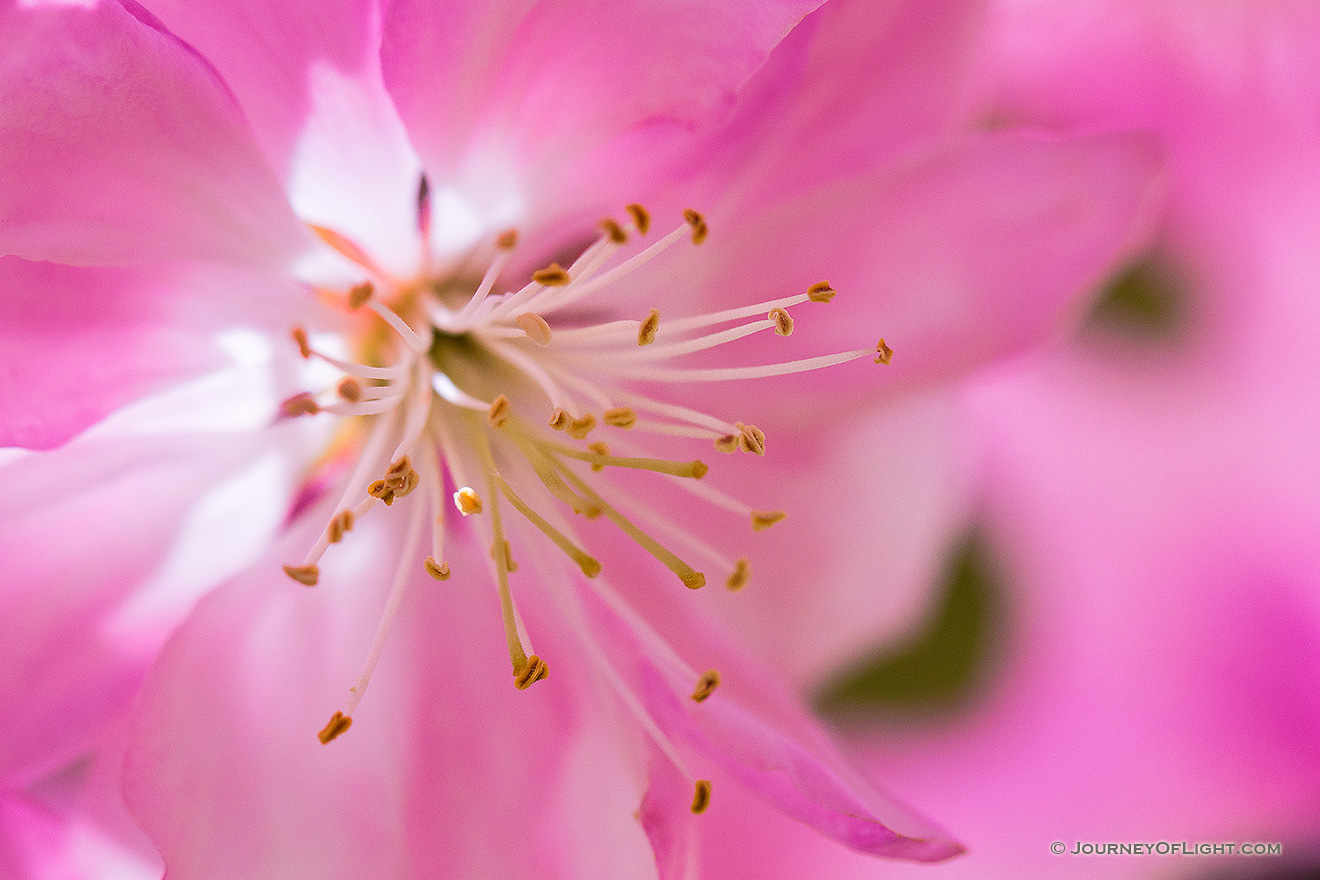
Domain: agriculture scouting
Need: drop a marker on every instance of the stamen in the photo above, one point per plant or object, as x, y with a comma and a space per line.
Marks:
424, 207
701, 797
534, 671
410, 336
651, 373
303, 574
301, 404
694, 469
821, 292
578, 429
536, 327
782, 321
710, 679
764, 519
359, 294
507, 240
437, 570
600, 449
727, 443
620, 417
553, 275
589, 565
299, 336
467, 501
691, 578
742, 573
641, 218
560, 420
884, 354
698, 224
346, 248
339, 722
750, 438
349, 389
650, 326
499, 412
613, 230
339, 525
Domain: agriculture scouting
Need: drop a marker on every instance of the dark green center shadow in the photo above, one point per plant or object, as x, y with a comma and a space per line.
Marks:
941, 668
1145, 302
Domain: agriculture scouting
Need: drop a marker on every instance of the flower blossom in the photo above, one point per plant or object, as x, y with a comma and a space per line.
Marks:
476, 334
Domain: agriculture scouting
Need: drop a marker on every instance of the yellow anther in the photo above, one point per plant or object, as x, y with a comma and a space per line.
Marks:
553, 275
701, 797
698, 224
742, 573
650, 326
507, 240
699, 469
641, 218
299, 336
339, 722
509, 564
750, 438
532, 671
821, 292
359, 294
349, 389
467, 501
343, 522
381, 489
614, 230
578, 429
764, 519
710, 679
301, 404
727, 443
693, 580
782, 320
620, 417
437, 570
499, 412
600, 449
560, 420
536, 327
883, 353
303, 574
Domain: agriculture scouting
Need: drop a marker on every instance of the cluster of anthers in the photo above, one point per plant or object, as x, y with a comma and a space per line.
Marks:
464, 380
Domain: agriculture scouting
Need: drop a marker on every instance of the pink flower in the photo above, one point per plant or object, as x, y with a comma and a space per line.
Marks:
1150, 489
190, 187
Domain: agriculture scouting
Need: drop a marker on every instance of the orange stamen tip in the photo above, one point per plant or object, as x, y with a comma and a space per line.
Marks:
620, 417
339, 722
532, 671
782, 320
614, 230
742, 573
507, 240
307, 575
883, 353
467, 501
650, 326
699, 469
641, 218
701, 797
821, 292
698, 224
299, 336
553, 275
437, 570
750, 438
727, 443
499, 412
710, 679
560, 420
578, 429
694, 580
359, 294
764, 519
301, 404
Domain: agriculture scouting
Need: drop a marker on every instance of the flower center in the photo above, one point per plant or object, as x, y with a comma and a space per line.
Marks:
523, 398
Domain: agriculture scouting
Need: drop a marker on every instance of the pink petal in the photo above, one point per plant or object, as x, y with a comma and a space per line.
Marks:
760, 737
666, 815
970, 254
307, 75
79, 342
120, 144
84, 528
527, 102
446, 765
